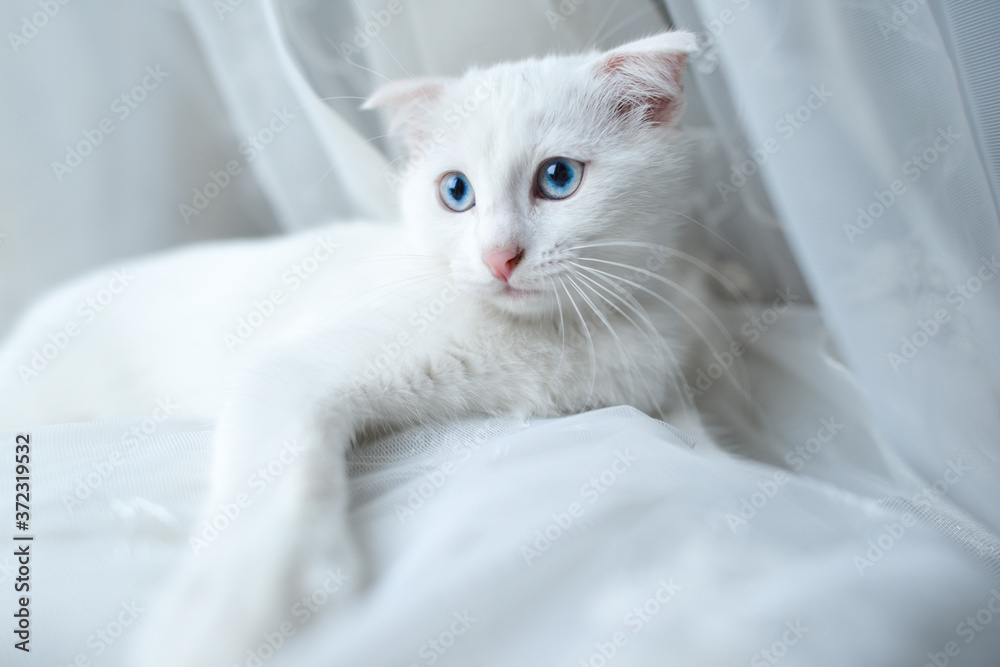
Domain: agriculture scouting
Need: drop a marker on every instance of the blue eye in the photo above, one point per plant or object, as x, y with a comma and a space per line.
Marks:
559, 177
456, 192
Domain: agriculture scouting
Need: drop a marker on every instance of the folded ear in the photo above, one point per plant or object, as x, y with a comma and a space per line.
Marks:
644, 79
410, 103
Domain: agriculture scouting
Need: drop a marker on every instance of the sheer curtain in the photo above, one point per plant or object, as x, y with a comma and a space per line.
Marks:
865, 125
293, 54
848, 143
845, 153
96, 155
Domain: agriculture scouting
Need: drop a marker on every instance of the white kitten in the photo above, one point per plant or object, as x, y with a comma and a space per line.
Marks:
538, 273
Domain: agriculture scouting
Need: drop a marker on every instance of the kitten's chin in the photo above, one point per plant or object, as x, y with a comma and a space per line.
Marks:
518, 301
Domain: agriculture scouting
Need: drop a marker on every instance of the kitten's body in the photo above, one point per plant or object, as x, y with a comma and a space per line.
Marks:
398, 325
160, 339
182, 323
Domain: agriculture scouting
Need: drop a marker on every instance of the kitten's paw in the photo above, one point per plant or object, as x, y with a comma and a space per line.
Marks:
236, 604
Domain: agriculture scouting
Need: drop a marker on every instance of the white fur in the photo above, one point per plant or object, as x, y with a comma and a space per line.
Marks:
400, 325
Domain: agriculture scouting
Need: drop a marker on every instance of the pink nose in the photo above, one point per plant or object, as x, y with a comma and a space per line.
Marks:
503, 262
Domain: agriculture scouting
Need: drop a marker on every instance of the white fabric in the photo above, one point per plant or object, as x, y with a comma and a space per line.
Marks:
108, 530
890, 94
906, 426
123, 198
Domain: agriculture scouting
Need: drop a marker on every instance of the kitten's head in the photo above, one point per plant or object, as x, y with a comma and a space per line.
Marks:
530, 177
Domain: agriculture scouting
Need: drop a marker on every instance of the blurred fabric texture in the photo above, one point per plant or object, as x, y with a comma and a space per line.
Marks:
845, 153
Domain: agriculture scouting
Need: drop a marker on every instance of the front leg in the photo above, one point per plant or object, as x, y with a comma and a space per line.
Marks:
302, 406
275, 527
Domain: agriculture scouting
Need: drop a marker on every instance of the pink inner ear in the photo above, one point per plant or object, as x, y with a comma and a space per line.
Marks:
675, 65
650, 81
656, 110
614, 63
661, 110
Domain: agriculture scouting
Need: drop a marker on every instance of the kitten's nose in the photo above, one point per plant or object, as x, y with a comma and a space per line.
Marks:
503, 262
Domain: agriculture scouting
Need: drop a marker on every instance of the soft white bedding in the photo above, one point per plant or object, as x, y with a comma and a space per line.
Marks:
629, 513
900, 73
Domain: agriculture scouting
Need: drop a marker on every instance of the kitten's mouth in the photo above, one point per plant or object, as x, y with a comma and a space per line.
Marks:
515, 292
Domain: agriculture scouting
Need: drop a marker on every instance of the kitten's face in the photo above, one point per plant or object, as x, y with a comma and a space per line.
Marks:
536, 179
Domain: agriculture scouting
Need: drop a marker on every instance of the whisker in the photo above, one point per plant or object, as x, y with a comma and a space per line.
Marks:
657, 343
393, 161
677, 376
378, 36
656, 403
687, 320
695, 300
727, 284
604, 22
618, 341
707, 229
562, 327
326, 99
649, 9
323, 177
590, 343
367, 69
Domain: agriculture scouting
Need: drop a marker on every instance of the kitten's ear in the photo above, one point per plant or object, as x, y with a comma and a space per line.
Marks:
409, 103
645, 78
